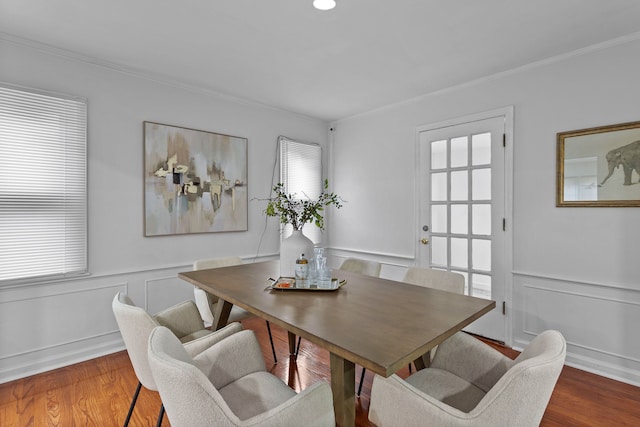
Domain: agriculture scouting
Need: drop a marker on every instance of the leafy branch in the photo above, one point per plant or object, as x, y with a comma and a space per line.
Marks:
299, 211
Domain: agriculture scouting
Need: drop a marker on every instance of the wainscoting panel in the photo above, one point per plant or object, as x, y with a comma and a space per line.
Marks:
163, 292
47, 326
55, 324
598, 321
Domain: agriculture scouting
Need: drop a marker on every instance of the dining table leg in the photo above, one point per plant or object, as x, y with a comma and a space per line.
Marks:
221, 316
292, 343
423, 361
343, 386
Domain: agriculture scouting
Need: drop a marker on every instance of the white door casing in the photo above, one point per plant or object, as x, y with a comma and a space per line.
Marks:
464, 207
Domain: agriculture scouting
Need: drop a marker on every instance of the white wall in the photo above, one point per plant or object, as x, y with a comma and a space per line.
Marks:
51, 325
574, 269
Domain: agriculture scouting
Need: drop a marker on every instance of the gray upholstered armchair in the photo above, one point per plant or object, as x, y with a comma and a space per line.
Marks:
207, 303
136, 325
471, 384
355, 265
227, 385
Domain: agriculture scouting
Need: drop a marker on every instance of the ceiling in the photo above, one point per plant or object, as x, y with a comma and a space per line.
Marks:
360, 56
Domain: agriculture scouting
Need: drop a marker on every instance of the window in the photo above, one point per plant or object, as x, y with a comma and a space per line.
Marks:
43, 185
301, 174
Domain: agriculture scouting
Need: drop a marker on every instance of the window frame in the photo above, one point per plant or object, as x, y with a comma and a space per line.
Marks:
57, 126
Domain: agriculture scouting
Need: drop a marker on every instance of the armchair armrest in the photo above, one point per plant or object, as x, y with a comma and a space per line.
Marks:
472, 360
230, 359
392, 396
199, 345
311, 407
182, 319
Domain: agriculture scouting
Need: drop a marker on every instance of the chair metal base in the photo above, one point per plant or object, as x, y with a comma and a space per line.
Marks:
273, 349
133, 404
160, 416
361, 381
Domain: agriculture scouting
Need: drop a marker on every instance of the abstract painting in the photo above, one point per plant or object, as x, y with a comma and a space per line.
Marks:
194, 181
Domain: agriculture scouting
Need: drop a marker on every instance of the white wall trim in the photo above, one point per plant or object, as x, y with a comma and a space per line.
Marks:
594, 366
581, 294
565, 279
91, 276
48, 295
59, 345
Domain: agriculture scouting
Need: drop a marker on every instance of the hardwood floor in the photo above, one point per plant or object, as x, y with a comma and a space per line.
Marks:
97, 393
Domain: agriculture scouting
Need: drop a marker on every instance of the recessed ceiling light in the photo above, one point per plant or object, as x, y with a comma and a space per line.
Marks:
324, 4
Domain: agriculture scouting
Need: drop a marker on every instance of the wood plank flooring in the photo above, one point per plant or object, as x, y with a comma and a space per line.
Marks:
97, 393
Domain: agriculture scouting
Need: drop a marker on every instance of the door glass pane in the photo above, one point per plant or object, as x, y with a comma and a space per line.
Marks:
480, 184
459, 154
438, 250
438, 218
481, 286
459, 253
459, 185
481, 254
459, 219
439, 186
438, 154
481, 149
481, 220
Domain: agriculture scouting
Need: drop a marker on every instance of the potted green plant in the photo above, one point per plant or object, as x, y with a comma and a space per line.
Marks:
298, 210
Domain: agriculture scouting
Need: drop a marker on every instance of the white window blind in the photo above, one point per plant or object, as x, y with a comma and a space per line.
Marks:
43, 185
301, 174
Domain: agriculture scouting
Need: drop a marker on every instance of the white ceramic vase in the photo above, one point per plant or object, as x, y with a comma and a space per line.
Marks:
290, 250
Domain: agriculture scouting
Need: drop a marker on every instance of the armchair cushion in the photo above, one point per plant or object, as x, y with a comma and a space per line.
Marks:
447, 388
198, 345
255, 393
182, 319
482, 370
231, 359
253, 398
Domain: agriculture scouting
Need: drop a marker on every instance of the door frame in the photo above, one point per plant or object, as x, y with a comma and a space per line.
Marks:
508, 114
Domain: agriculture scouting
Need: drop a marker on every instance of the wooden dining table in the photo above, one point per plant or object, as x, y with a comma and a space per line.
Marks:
379, 324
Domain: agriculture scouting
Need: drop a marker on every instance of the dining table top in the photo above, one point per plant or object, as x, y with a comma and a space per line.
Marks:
377, 323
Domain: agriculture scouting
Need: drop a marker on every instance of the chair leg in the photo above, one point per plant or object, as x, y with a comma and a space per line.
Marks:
409, 367
160, 416
361, 381
273, 349
133, 403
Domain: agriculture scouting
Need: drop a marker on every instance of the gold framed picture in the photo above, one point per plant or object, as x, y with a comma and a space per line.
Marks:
599, 166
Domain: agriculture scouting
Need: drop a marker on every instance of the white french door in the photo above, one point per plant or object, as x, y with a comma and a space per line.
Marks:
462, 209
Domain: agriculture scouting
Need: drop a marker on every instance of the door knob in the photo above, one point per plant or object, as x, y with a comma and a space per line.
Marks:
424, 241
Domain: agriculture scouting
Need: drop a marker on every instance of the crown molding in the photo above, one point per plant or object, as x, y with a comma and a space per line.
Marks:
146, 75
502, 74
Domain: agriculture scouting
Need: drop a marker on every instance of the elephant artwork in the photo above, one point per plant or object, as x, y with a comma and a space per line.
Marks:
628, 156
